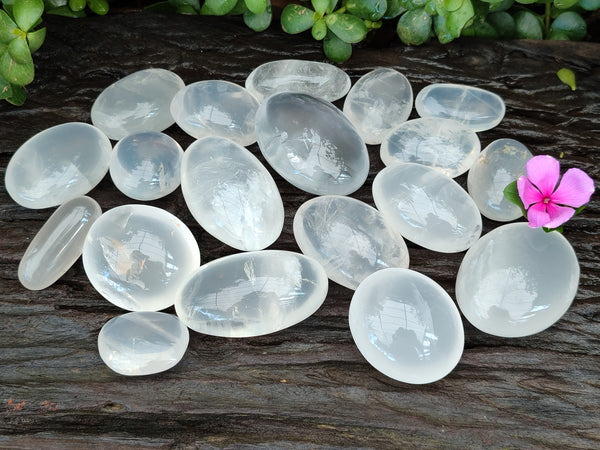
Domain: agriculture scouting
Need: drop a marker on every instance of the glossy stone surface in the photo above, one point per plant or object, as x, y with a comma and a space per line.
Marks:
406, 326
57, 165
138, 102
216, 108
378, 102
517, 281
349, 238
311, 144
477, 108
231, 194
146, 166
443, 144
427, 207
499, 164
251, 294
322, 80
137, 257
143, 342
58, 244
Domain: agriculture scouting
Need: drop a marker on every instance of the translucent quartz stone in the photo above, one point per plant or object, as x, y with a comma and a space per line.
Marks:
251, 294
517, 281
378, 102
427, 207
499, 164
216, 108
231, 194
477, 108
143, 342
311, 144
322, 80
58, 244
146, 166
406, 326
348, 237
138, 102
444, 144
137, 256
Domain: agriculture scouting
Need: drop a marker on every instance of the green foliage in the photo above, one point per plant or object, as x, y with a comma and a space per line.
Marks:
568, 77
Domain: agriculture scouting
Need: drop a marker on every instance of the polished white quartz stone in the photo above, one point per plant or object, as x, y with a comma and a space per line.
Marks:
427, 207
406, 326
349, 238
311, 144
517, 281
143, 342
443, 144
378, 102
477, 108
146, 166
138, 102
58, 244
322, 80
137, 256
499, 164
231, 194
252, 293
57, 165
216, 108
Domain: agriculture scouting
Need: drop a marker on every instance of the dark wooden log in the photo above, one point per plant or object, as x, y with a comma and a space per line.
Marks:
307, 385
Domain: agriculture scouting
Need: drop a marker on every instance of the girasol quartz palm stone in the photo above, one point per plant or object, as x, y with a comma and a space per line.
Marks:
231, 194
477, 108
138, 102
292, 75
311, 144
349, 238
251, 294
517, 281
137, 256
143, 342
378, 102
427, 207
444, 144
406, 326
58, 164
58, 244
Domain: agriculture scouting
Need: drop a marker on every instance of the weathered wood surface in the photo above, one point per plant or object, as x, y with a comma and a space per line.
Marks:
307, 385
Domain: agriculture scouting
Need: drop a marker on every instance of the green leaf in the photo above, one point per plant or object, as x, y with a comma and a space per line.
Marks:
19, 51
457, 20
557, 36
18, 95
528, 25
568, 77
66, 12
394, 9
564, 4
13, 71
190, 7
259, 22
589, 5
35, 39
51, 4
441, 30
414, 27
367, 9
99, 7
7, 26
239, 8
256, 6
525, 2
320, 6
27, 13
5, 89
347, 27
570, 23
319, 30
217, 7
504, 5
77, 5
296, 19
161, 7
335, 49
511, 193
503, 23
452, 5
431, 8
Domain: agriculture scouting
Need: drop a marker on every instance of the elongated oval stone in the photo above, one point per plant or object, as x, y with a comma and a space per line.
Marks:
311, 144
138, 102
322, 80
349, 238
58, 164
443, 144
427, 207
58, 244
251, 294
477, 108
216, 108
231, 194
137, 257
378, 102
143, 342
406, 326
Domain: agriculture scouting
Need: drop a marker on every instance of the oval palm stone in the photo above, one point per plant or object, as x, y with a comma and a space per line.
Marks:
311, 144
427, 207
251, 294
349, 238
231, 194
517, 281
57, 165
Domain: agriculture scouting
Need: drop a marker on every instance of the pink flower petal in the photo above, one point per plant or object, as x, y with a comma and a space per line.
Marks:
537, 216
528, 192
543, 171
575, 189
558, 215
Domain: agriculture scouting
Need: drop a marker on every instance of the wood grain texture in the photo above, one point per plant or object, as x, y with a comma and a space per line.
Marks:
306, 386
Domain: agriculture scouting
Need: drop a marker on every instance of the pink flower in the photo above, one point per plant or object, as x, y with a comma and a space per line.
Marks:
548, 203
